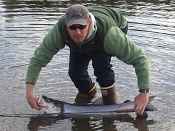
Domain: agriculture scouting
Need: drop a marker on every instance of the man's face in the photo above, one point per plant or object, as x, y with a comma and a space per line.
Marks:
78, 33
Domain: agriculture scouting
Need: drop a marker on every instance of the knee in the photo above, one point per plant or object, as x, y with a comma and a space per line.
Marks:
78, 74
106, 78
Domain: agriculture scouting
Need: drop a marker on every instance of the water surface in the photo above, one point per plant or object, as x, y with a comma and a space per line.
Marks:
23, 24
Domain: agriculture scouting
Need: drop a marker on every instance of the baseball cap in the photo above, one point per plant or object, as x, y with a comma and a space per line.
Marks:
76, 14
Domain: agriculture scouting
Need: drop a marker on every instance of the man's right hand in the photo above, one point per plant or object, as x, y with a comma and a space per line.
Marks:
31, 99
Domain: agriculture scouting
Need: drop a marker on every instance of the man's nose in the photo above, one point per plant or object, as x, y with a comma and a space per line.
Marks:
78, 31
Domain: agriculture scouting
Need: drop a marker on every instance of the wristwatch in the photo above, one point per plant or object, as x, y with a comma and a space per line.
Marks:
144, 91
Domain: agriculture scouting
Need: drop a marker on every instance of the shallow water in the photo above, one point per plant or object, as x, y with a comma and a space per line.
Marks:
23, 24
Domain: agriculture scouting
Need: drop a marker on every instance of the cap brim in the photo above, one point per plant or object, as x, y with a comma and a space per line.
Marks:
77, 21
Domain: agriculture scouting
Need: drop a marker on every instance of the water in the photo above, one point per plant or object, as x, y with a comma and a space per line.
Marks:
23, 24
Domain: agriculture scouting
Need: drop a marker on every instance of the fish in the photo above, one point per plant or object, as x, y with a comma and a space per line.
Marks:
61, 107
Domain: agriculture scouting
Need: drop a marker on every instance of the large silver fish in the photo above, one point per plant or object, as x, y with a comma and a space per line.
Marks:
56, 106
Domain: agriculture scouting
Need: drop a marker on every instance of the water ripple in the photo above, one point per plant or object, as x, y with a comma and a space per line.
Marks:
23, 24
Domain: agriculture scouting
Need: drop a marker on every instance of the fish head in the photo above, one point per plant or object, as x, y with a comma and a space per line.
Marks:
50, 106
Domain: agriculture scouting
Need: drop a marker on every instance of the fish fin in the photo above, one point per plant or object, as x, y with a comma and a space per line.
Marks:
51, 100
126, 101
151, 98
150, 107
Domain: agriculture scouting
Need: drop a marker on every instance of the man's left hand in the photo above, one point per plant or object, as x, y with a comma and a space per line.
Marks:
141, 101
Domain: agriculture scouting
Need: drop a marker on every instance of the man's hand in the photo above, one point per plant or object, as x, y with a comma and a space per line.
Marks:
141, 101
32, 100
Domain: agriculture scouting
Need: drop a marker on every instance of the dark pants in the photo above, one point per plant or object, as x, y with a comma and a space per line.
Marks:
78, 70
78, 66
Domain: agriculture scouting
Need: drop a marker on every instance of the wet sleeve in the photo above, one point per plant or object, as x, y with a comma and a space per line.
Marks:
51, 44
118, 44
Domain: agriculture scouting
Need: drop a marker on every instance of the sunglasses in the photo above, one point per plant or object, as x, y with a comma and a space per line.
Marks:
74, 27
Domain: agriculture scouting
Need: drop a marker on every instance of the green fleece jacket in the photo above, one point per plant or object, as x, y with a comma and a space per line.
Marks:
113, 41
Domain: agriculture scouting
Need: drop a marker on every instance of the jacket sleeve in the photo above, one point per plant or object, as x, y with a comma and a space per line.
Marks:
118, 44
51, 44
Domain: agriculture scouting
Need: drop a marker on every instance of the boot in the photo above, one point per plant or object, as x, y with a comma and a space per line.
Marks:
109, 95
85, 98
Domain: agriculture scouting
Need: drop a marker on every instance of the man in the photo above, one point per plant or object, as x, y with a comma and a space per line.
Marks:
94, 34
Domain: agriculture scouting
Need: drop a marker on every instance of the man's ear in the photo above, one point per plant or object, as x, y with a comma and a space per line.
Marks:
89, 19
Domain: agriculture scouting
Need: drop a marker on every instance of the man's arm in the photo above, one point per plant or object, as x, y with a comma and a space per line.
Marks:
51, 44
31, 99
118, 44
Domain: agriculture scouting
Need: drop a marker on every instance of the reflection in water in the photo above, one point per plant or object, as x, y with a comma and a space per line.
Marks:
37, 122
91, 123
110, 123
